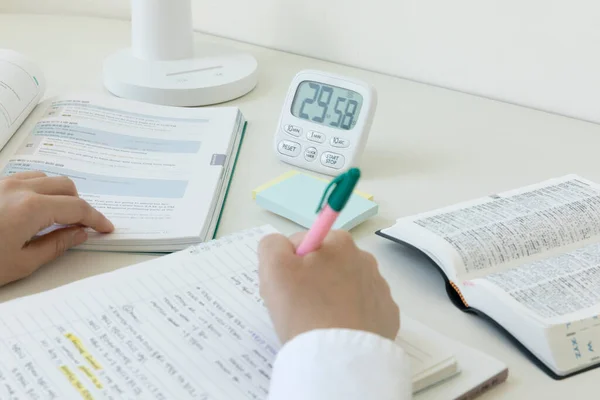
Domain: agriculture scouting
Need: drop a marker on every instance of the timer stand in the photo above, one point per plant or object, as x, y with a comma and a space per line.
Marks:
165, 66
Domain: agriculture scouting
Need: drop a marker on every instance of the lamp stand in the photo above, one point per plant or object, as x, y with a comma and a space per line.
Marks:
165, 66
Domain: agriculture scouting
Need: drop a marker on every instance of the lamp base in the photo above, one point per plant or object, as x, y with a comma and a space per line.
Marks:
216, 75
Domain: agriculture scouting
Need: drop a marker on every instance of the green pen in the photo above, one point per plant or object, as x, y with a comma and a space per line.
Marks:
341, 189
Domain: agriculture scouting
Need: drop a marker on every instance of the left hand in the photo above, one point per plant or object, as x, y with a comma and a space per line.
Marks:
31, 202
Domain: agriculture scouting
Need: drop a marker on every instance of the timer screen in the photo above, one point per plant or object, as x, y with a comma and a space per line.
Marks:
327, 105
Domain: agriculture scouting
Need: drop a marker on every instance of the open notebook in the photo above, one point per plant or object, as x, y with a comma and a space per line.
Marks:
187, 325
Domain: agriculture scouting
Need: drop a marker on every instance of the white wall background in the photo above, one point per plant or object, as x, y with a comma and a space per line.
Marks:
541, 53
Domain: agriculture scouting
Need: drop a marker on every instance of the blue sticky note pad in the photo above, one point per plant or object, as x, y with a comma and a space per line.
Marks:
296, 196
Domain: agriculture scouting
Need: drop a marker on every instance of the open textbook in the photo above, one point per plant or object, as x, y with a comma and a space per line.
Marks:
189, 325
160, 174
528, 259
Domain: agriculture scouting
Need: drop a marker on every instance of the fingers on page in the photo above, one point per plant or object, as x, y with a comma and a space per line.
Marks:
68, 210
58, 185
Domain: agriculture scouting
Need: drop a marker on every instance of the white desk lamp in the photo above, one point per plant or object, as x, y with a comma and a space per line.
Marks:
165, 66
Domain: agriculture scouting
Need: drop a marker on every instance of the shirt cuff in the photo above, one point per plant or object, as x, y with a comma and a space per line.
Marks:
341, 364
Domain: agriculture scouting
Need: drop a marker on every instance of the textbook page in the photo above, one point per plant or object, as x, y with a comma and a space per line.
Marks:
22, 85
505, 230
153, 171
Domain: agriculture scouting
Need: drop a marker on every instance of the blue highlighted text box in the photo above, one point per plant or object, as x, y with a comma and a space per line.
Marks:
107, 185
116, 140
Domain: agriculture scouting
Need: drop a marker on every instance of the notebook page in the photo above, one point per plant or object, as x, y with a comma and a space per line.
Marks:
188, 325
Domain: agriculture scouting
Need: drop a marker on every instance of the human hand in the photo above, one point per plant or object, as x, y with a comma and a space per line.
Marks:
337, 286
31, 202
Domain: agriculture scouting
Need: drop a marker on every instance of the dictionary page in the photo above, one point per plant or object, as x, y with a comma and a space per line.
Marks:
22, 86
556, 289
156, 172
505, 230
552, 305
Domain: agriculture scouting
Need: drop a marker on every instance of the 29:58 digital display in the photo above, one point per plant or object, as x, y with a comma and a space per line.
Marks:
327, 105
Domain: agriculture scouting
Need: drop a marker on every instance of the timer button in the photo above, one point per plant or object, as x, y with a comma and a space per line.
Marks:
293, 130
287, 148
314, 136
339, 142
332, 160
310, 154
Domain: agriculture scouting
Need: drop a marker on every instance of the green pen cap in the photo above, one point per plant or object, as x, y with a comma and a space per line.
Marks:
344, 186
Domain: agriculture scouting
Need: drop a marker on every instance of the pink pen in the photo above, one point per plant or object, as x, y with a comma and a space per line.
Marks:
344, 186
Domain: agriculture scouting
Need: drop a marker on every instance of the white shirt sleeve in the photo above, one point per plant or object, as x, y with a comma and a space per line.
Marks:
341, 364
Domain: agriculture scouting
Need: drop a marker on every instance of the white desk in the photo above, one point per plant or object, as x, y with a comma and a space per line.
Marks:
429, 147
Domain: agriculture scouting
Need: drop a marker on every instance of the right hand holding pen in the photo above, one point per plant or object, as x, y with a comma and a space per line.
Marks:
337, 286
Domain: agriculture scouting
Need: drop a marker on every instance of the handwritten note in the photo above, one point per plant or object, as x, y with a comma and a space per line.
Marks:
190, 325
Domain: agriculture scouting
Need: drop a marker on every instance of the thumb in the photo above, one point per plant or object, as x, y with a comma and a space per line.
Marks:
53, 245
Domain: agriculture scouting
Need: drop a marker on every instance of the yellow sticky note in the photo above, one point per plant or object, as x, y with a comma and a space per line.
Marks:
296, 196
292, 173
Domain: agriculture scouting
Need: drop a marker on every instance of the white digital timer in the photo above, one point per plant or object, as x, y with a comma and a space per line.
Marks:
325, 122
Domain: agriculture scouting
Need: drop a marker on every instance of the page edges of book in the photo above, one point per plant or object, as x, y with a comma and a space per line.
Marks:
27, 84
438, 252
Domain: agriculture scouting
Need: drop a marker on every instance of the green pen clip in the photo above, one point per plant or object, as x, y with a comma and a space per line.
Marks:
341, 189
